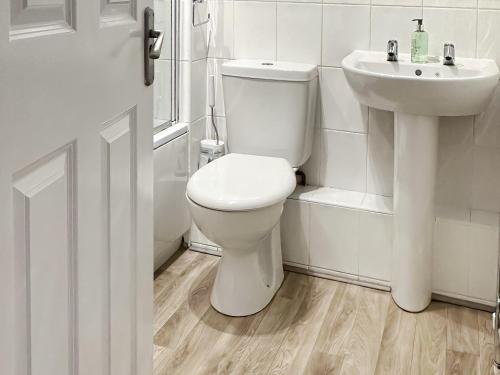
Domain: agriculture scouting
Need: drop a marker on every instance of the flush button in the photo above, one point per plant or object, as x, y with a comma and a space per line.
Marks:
418, 72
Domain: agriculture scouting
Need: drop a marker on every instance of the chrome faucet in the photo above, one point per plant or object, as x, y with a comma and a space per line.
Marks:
449, 54
392, 50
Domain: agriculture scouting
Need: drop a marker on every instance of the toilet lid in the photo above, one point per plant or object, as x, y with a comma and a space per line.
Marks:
238, 182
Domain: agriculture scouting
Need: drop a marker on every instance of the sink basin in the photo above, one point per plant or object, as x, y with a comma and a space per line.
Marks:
430, 89
418, 94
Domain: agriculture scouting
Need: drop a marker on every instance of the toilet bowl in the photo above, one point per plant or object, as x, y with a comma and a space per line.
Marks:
237, 202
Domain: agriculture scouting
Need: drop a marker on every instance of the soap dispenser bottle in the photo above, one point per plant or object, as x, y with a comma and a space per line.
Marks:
419, 43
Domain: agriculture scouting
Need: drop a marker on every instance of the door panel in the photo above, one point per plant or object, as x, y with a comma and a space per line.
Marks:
120, 179
118, 11
45, 277
76, 229
32, 17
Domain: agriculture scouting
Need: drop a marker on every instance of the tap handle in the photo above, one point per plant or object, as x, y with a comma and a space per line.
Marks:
392, 50
449, 51
392, 47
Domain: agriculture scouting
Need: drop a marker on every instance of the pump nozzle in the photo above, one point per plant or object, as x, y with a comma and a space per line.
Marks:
420, 21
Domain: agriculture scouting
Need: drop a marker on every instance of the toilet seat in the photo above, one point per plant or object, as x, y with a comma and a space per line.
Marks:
238, 182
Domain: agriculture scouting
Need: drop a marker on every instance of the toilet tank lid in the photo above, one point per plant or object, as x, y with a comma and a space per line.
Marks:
272, 70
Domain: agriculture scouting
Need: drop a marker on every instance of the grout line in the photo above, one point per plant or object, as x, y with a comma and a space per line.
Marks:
477, 28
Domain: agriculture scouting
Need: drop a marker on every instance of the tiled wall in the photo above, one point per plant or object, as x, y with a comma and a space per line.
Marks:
354, 145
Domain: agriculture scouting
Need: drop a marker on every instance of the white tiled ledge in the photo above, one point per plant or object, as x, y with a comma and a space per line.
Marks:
384, 205
343, 198
347, 236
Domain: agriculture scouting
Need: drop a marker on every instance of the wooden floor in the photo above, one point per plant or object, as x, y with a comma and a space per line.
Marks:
313, 326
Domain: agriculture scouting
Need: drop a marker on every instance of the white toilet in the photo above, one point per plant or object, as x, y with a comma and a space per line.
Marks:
237, 200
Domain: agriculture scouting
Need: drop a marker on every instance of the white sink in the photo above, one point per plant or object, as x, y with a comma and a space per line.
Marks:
418, 94
460, 90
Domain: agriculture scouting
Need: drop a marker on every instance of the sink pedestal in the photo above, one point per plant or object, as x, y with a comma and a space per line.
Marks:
428, 91
416, 149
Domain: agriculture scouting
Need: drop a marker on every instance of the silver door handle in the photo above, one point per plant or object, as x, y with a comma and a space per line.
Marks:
153, 41
155, 49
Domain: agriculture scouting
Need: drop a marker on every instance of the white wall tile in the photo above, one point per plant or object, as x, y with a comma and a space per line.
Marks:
489, 4
451, 3
196, 134
222, 29
380, 162
397, 2
343, 160
485, 218
375, 245
351, 2
295, 231
486, 179
198, 89
456, 130
487, 126
451, 256
454, 176
334, 238
345, 28
199, 34
340, 109
488, 43
483, 262
214, 67
393, 23
255, 30
299, 32
449, 25
312, 167
185, 91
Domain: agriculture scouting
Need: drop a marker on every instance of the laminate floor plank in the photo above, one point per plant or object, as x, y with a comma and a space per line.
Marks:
161, 357
312, 326
396, 351
463, 330
259, 354
321, 363
166, 276
339, 320
189, 313
228, 349
173, 296
486, 343
366, 337
459, 363
429, 349
294, 351
191, 351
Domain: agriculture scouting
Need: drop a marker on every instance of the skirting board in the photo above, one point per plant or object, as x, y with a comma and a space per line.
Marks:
462, 302
349, 279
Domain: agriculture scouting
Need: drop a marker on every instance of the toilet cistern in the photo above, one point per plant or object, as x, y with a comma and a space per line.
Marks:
418, 94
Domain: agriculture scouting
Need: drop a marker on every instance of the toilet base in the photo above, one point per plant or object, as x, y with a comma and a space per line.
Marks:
247, 279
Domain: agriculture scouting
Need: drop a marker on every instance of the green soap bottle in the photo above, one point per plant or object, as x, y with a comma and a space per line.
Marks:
419, 43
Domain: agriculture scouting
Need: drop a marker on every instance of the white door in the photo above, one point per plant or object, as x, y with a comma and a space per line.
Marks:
75, 189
